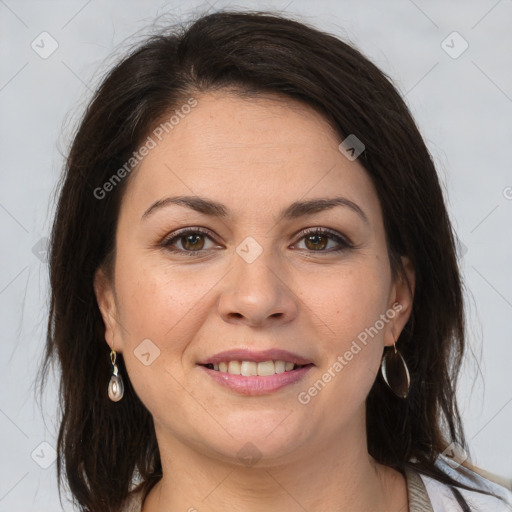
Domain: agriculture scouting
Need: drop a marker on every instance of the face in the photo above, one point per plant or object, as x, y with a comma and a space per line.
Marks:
245, 265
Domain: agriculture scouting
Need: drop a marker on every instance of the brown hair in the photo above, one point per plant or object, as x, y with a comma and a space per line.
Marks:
104, 446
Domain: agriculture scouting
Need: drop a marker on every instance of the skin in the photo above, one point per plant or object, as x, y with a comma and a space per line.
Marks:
256, 156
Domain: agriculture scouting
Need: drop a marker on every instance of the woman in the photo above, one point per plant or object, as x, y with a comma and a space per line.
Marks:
255, 301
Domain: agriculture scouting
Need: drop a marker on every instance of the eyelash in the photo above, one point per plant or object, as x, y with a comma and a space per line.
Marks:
342, 241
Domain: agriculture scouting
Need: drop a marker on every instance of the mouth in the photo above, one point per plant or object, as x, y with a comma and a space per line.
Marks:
256, 373
253, 368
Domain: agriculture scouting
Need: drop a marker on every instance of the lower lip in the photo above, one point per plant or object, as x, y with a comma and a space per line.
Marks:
256, 385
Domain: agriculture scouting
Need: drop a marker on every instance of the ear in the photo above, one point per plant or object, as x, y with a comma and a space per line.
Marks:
401, 301
105, 297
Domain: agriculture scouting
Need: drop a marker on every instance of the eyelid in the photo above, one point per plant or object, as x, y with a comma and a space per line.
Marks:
342, 240
185, 231
176, 235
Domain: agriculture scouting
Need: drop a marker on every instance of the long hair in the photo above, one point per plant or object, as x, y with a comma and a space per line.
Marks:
102, 446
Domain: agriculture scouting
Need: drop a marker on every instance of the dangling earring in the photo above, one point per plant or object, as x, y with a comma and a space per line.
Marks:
116, 385
395, 372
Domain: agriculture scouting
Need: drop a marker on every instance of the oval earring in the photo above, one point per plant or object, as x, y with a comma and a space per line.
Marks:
395, 372
116, 385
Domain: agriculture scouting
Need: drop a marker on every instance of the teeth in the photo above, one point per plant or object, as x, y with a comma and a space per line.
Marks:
251, 368
248, 368
266, 368
280, 366
234, 367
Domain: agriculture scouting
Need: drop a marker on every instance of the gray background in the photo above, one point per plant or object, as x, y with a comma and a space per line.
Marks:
463, 106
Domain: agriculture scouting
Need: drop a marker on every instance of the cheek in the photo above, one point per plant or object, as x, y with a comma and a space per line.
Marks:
156, 300
160, 312
350, 314
161, 309
348, 301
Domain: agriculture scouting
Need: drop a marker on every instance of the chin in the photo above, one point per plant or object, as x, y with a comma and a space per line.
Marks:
258, 440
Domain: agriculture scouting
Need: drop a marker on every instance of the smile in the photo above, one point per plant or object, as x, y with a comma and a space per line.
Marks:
252, 368
251, 378
250, 372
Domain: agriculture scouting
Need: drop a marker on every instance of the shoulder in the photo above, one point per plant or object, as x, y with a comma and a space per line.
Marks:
442, 498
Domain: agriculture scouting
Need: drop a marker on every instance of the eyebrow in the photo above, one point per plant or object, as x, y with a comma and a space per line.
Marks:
295, 210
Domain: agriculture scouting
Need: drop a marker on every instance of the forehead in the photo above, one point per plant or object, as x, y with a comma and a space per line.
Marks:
224, 128
249, 152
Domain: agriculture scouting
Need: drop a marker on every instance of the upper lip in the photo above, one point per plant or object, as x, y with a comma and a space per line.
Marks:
251, 355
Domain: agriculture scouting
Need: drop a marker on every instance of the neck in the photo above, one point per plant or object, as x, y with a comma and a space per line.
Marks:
337, 475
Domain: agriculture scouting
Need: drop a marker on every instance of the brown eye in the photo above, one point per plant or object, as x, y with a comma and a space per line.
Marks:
192, 242
319, 239
316, 242
189, 241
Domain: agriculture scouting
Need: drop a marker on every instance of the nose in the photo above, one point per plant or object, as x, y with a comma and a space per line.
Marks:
258, 293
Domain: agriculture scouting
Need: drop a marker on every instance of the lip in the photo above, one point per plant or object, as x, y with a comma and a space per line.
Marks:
256, 356
257, 385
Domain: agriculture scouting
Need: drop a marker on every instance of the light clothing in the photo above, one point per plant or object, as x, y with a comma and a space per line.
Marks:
443, 500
